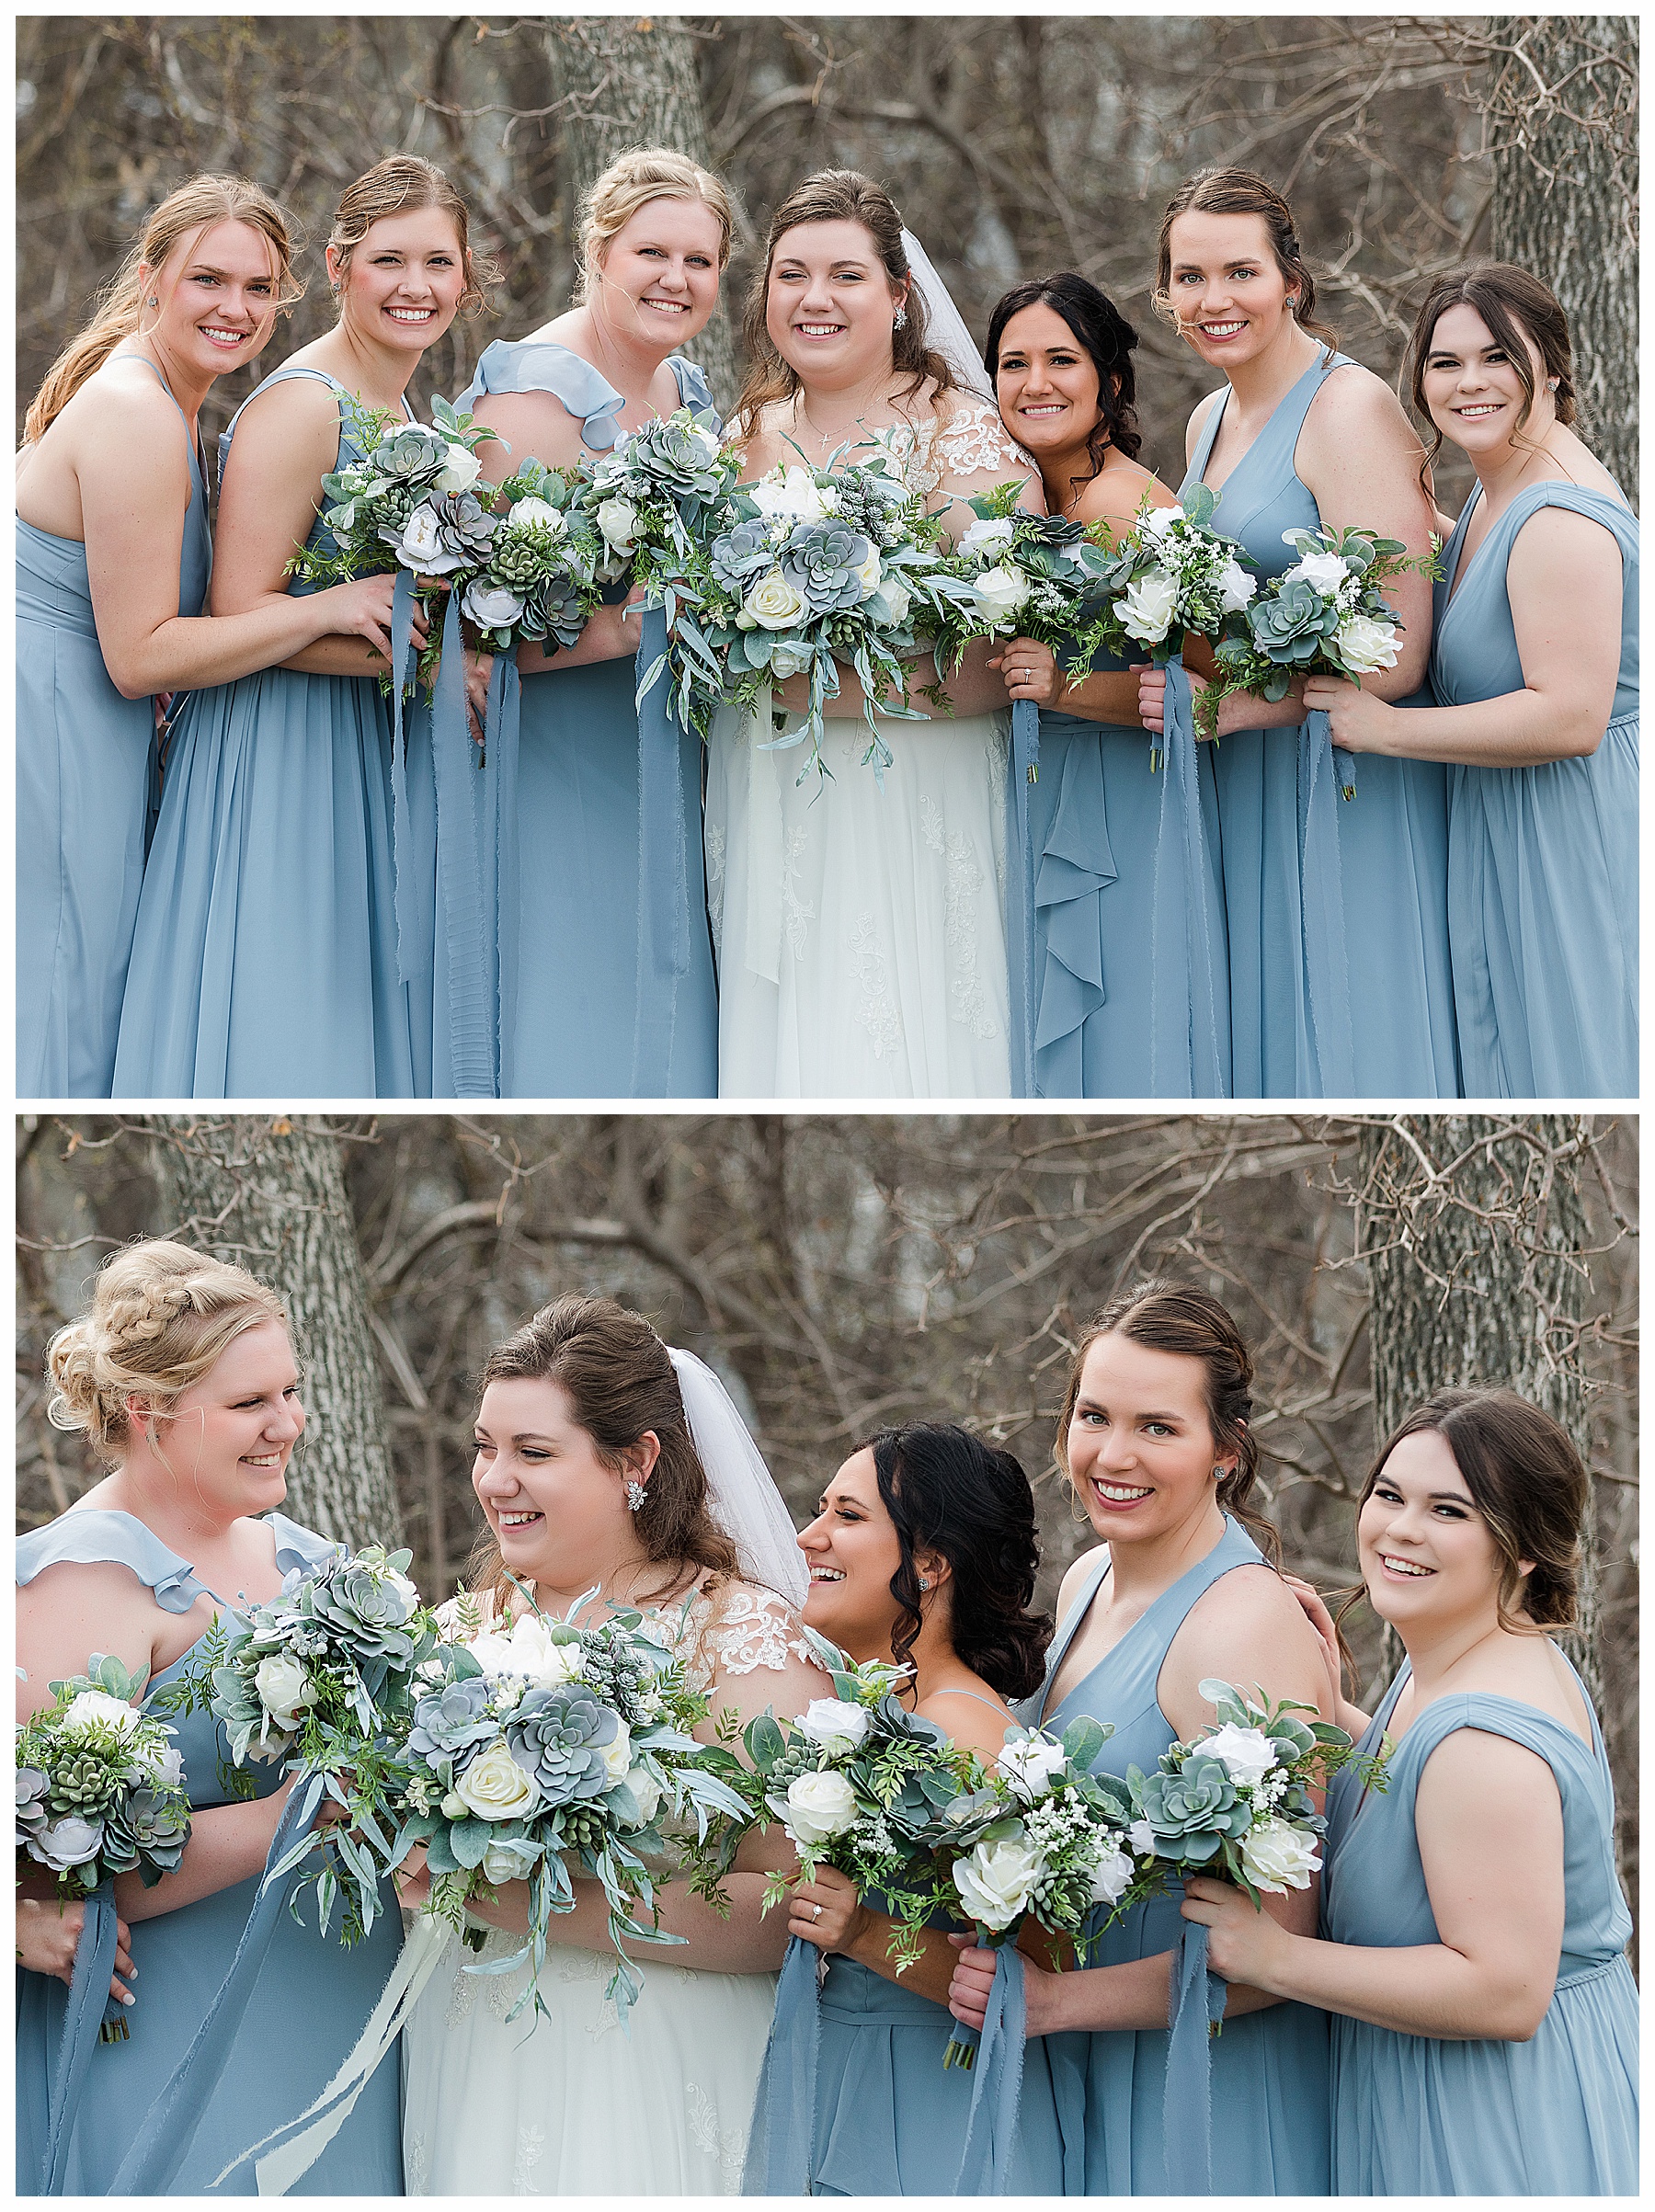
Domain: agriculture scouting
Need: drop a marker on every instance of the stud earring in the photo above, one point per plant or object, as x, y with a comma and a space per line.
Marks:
899, 320
635, 1495
925, 1581
1551, 382
153, 302
1217, 1474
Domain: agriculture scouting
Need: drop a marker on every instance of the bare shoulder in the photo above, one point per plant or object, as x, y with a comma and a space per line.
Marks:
535, 423
1076, 1578
1352, 401
1246, 1628
299, 406
1200, 419
1116, 494
968, 1720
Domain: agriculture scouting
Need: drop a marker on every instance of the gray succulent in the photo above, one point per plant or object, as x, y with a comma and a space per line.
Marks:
821, 559
740, 554
557, 1737
453, 1721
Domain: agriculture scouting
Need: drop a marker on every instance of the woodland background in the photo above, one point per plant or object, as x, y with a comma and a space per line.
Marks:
1014, 144
842, 1271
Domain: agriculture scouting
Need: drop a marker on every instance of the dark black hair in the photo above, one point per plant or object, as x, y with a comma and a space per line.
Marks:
1103, 332
947, 1491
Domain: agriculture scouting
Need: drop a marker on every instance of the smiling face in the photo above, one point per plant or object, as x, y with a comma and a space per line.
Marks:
657, 277
404, 282
1140, 1446
549, 1500
1046, 382
217, 293
852, 1550
1473, 390
1227, 289
1427, 1555
230, 1436
830, 304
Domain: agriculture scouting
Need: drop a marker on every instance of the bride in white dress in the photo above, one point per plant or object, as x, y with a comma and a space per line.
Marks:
860, 928
590, 1442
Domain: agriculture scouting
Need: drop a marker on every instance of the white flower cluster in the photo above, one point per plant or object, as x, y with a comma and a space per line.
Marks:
1189, 575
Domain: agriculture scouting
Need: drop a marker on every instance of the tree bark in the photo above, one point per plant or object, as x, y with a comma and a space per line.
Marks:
635, 81
269, 1195
1566, 204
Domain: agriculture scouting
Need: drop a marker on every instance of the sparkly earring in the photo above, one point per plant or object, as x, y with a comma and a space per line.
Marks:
635, 1495
153, 302
1551, 382
899, 320
1217, 1474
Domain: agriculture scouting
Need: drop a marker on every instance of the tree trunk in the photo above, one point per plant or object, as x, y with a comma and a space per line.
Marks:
1478, 1281
269, 1196
635, 81
1565, 201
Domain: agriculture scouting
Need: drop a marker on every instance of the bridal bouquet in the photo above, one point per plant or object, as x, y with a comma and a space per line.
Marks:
1040, 576
543, 573
100, 1788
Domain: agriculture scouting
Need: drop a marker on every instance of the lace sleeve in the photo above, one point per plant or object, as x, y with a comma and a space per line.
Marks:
748, 1630
974, 442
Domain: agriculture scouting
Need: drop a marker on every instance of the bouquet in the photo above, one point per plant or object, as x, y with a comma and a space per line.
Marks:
658, 495
1040, 576
542, 577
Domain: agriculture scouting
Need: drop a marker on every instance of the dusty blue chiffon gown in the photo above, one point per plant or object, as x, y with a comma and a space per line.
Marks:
597, 1013
1339, 976
264, 960
1542, 862
1414, 2116
311, 2002
1269, 2069
85, 769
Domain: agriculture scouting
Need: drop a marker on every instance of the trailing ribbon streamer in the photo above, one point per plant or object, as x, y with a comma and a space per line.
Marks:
663, 881
1198, 2000
152, 2165
1020, 898
1189, 1042
997, 2083
88, 2005
472, 989
502, 743
778, 2158
1321, 911
402, 825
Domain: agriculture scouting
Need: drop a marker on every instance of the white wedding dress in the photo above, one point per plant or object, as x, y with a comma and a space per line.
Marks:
577, 2104
861, 928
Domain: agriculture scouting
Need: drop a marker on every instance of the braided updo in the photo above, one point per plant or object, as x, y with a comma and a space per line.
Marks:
161, 1315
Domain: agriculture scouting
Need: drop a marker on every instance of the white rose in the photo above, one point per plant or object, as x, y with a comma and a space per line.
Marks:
987, 537
1110, 1877
1324, 572
453, 1807
617, 1753
818, 1807
460, 470
1141, 1837
647, 1791
837, 1725
491, 606
998, 1880
1364, 643
867, 575
494, 1788
1028, 1762
1159, 522
1237, 587
1246, 1754
1001, 591
284, 1688
510, 1861
421, 540
618, 520
789, 660
1278, 1857
528, 1654
165, 1767
96, 1705
1147, 607
773, 603
536, 514
788, 494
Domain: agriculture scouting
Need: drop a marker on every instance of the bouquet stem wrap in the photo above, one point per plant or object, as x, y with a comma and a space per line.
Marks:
83, 2015
152, 2165
663, 885
1189, 1054
1321, 908
997, 2083
402, 823
778, 2160
1198, 1999
1020, 898
501, 747
473, 1049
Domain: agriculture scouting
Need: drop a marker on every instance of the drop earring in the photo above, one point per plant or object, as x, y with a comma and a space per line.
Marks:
635, 1495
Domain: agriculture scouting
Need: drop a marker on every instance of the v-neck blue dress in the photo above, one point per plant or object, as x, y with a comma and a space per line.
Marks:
1419, 2115
1543, 861
1270, 2067
1340, 976
312, 1998
85, 772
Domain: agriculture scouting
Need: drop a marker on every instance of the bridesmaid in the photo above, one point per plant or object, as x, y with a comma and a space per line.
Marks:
182, 1378
923, 1552
1534, 673
111, 503
266, 959
1154, 1439
1485, 2033
598, 1014
1060, 354
1323, 1002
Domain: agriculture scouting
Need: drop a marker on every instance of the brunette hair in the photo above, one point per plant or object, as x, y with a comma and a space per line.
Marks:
631, 180
621, 1383
193, 208
948, 1491
834, 196
1233, 191
160, 1317
405, 184
1176, 1316
1103, 332
1512, 304
1527, 1481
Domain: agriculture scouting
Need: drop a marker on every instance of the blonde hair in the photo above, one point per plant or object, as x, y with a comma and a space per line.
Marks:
404, 184
161, 1315
1236, 191
631, 180
194, 207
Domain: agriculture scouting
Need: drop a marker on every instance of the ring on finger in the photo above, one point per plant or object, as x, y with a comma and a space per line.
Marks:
816, 1913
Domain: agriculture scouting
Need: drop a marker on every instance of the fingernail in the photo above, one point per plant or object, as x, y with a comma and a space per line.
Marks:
129, 1998
131, 1973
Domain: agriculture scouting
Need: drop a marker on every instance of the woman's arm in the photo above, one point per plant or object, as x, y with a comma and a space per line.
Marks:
1490, 1824
228, 1843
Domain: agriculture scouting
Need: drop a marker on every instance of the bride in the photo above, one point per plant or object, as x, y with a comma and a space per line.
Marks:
603, 1458
860, 928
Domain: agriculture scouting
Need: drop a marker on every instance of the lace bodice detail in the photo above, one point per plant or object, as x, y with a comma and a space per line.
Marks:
971, 441
728, 1627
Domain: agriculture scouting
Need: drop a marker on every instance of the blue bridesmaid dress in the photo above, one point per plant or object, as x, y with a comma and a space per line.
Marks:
312, 1999
597, 1013
265, 962
1415, 2116
1270, 2067
1339, 976
1543, 861
86, 766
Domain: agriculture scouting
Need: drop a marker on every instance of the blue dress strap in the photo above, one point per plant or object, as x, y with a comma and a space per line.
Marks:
694, 391
277, 376
98, 1536
541, 365
1068, 1628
